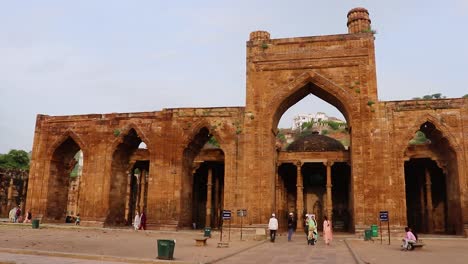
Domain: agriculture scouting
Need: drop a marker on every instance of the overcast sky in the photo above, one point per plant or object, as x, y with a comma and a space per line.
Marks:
79, 57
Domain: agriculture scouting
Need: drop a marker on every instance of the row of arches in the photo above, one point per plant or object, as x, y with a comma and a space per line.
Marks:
130, 169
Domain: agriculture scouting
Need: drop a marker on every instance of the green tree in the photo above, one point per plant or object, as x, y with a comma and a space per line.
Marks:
15, 159
307, 125
334, 125
281, 137
465, 96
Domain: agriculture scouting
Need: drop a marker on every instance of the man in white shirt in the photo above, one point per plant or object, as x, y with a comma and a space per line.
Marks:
273, 226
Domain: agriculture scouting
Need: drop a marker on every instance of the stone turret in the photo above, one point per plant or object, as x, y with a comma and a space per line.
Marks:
259, 35
358, 20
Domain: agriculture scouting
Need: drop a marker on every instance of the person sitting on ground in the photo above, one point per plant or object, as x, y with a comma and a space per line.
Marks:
27, 217
409, 238
77, 221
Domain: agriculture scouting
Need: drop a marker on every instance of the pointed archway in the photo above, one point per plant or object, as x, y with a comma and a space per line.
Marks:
432, 181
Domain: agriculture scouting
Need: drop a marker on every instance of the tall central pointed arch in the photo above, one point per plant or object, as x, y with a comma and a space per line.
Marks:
313, 83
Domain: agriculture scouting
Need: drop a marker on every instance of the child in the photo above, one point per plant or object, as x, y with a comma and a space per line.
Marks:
77, 221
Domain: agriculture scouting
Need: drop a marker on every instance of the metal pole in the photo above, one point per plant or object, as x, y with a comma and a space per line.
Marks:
388, 225
221, 234
241, 227
229, 234
381, 237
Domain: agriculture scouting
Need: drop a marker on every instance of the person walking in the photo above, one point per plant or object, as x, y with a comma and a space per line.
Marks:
143, 221
137, 221
312, 236
273, 226
327, 231
291, 225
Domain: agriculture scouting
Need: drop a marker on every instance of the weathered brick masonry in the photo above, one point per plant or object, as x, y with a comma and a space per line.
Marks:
340, 69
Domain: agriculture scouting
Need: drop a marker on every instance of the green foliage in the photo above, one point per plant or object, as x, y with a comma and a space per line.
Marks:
15, 159
370, 103
430, 96
324, 132
419, 138
281, 137
116, 132
334, 125
212, 140
307, 125
465, 96
264, 45
369, 30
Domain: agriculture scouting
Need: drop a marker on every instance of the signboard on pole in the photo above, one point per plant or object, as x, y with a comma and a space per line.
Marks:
242, 212
226, 214
384, 216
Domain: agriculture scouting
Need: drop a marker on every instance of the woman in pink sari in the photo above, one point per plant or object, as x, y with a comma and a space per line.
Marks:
327, 231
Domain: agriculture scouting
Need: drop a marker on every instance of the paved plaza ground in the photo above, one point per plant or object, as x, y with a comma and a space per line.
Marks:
69, 244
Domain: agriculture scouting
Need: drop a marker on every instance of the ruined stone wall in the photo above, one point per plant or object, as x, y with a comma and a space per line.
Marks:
166, 134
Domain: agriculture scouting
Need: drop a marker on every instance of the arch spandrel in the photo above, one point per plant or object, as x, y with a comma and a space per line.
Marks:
314, 83
68, 134
195, 129
125, 132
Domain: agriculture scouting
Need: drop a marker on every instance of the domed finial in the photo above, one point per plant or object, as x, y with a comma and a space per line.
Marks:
358, 20
259, 35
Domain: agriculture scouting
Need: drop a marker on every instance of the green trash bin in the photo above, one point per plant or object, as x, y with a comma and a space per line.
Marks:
207, 232
375, 231
35, 223
166, 249
367, 234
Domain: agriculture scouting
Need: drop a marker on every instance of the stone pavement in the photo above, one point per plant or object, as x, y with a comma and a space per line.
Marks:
296, 251
69, 244
436, 250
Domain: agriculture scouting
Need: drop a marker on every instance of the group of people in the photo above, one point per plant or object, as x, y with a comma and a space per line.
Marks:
15, 215
139, 223
310, 227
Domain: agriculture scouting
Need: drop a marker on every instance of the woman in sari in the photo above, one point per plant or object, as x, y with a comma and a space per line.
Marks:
313, 235
327, 231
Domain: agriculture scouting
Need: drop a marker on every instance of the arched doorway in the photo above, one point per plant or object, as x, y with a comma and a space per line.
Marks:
63, 177
431, 183
203, 182
130, 168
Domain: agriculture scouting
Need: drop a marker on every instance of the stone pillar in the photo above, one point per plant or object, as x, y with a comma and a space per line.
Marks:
430, 225
10, 196
423, 205
217, 204
277, 206
141, 201
209, 186
127, 199
329, 191
300, 196
77, 199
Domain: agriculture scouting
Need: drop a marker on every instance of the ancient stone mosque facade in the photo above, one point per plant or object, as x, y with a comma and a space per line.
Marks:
199, 161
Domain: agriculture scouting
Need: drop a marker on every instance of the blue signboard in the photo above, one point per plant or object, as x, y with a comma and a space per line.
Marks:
226, 214
384, 216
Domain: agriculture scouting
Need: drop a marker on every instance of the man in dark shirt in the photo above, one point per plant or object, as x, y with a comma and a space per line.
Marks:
291, 225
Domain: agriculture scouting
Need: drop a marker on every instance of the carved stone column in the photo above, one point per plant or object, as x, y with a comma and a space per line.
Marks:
10, 195
430, 225
217, 204
329, 191
128, 200
209, 185
300, 195
423, 205
277, 206
142, 190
